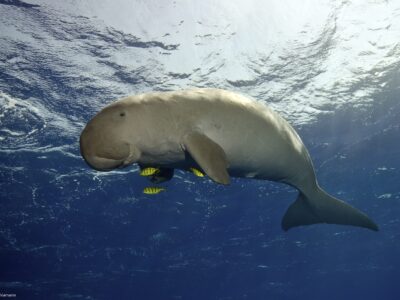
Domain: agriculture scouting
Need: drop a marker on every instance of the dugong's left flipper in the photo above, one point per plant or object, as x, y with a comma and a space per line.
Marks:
157, 175
163, 175
209, 156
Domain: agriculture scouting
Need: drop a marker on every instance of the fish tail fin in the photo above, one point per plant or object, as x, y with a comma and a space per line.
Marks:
323, 208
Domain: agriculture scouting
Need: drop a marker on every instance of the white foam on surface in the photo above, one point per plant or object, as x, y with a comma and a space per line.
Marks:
236, 41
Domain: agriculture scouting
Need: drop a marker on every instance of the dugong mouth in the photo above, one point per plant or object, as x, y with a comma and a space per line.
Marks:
102, 163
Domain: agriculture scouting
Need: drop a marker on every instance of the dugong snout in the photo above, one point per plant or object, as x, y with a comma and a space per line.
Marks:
102, 152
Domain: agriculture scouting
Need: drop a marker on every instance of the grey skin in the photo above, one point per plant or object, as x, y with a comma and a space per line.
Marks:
222, 133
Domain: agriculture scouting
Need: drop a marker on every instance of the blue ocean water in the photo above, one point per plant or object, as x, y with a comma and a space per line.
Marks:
69, 232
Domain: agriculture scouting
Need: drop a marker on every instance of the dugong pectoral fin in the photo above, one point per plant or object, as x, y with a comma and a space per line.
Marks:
209, 156
323, 208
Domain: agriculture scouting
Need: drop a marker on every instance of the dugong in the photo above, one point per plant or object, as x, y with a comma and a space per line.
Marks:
222, 133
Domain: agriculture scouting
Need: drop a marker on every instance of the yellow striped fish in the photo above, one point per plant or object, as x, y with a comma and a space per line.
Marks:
152, 190
149, 171
196, 172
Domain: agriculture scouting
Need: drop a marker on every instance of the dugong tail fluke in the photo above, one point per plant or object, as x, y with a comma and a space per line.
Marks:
320, 207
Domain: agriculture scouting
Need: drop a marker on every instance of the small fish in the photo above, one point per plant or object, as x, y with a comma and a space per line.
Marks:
196, 172
149, 171
152, 190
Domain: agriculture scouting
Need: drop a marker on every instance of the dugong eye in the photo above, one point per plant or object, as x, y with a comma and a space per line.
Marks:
122, 114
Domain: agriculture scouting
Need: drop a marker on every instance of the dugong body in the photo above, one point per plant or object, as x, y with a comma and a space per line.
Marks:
223, 133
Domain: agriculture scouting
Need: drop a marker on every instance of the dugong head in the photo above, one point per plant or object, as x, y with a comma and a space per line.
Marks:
106, 142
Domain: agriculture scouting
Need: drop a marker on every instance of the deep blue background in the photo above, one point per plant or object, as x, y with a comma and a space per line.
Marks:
67, 232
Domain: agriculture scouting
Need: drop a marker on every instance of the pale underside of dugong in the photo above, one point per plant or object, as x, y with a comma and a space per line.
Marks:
220, 132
